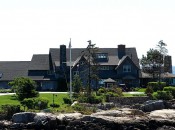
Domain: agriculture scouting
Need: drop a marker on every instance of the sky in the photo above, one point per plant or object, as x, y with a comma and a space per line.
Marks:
30, 27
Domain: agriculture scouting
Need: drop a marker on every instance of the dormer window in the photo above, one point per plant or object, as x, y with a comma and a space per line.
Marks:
127, 68
101, 55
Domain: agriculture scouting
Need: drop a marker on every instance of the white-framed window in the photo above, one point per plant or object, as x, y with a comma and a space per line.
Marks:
127, 68
75, 72
101, 55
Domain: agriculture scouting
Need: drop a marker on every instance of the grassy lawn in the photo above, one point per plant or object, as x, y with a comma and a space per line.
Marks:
58, 98
9, 99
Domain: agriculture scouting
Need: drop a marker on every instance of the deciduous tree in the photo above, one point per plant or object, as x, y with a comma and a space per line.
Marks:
24, 87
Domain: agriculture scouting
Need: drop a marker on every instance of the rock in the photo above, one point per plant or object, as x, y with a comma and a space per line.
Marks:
106, 106
120, 113
168, 114
74, 103
152, 105
69, 116
46, 120
5, 124
23, 117
166, 128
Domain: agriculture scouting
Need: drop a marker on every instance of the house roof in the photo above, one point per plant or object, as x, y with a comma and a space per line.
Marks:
112, 55
109, 80
39, 62
164, 75
124, 58
12, 69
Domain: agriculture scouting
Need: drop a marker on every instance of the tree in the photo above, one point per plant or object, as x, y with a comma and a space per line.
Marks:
77, 84
153, 62
24, 88
92, 64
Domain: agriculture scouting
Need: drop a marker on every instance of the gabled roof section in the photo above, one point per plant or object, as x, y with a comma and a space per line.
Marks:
112, 54
13, 69
39, 62
124, 58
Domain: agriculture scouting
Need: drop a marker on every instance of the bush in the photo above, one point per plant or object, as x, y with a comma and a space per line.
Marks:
157, 85
67, 100
54, 105
91, 99
163, 95
9, 110
102, 90
171, 90
24, 88
149, 90
84, 109
35, 103
5, 91
116, 91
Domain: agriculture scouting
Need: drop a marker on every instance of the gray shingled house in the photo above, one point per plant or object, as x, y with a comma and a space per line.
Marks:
119, 64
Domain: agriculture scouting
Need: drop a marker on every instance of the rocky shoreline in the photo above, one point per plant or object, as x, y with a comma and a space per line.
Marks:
121, 119
151, 115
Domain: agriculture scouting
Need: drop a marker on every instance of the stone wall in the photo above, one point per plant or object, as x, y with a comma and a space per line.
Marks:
128, 100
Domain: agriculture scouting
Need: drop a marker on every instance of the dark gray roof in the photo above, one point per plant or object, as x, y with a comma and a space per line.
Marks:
13, 69
112, 53
39, 62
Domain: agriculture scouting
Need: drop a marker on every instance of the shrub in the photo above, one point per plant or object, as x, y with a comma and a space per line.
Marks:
91, 99
67, 100
163, 95
171, 90
102, 90
9, 110
149, 90
157, 85
24, 88
54, 105
35, 103
5, 91
84, 109
115, 90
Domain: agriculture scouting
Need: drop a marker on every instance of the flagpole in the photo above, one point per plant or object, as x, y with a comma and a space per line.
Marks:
70, 64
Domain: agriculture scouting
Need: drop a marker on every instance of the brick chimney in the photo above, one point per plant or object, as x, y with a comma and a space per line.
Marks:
121, 51
62, 55
168, 64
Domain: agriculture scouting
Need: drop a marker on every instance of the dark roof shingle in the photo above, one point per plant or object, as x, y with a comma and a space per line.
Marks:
13, 69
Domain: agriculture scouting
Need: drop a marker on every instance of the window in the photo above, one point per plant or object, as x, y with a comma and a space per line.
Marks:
101, 55
81, 62
104, 67
127, 68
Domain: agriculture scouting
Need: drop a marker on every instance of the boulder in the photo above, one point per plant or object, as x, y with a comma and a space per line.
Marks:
152, 105
23, 117
168, 114
106, 106
120, 113
69, 116
46, 120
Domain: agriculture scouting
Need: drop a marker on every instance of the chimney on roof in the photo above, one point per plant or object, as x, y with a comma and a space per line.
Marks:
168, 64
62, 55
121, 51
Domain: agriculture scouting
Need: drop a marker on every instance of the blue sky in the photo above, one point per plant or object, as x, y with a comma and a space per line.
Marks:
30, 27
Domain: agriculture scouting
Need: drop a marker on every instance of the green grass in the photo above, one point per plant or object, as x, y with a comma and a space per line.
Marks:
58, 98
142, 90
9, 99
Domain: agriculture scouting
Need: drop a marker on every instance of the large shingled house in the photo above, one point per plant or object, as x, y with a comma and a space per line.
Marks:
117, 65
